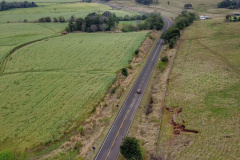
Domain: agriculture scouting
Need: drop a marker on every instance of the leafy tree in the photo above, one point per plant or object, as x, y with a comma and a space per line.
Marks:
131, 149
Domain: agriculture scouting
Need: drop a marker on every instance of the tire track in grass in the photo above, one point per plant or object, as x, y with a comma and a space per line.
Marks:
8, 56
220, 56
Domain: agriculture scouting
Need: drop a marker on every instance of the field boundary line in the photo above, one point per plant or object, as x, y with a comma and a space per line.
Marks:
8, 54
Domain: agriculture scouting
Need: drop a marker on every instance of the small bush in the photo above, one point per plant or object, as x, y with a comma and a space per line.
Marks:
137, 51
164, 59
151, 37
130, 67
25, 20
77, 146
93, 110
149, 110
106, 121
114, 89
81, 130
162, 66
125, 72
6, 155
128, 28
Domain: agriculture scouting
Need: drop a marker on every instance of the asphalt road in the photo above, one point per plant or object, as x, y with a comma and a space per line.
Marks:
111, 145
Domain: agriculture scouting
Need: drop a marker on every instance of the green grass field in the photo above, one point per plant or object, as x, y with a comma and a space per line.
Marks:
58, 9
14, 34
49, 87
205, 83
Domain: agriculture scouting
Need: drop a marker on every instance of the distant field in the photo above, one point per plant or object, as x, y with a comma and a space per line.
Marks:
57, 9
14, 34
205, 83
208, 7
50, 86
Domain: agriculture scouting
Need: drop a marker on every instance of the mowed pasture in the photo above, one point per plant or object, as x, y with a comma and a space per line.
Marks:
14, 34
205, 83
58, 9
50, 87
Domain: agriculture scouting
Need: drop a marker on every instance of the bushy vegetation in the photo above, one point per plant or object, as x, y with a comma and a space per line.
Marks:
163, 64
60, 19
231, 18
154, 21
146, 2
94, 22
134, 17
57, 82
131, 149
188, 6
124, 72
10, 5
231, 4
173, 33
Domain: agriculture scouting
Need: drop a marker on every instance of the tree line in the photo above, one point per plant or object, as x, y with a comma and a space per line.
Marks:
173, 33
93, 22
230, 4
153, 21
60, 19
10, 5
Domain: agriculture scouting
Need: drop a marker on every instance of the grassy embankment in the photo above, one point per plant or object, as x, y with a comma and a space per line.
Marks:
49, 87
205, 83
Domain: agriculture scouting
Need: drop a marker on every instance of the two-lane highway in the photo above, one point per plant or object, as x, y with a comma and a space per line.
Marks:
111, 145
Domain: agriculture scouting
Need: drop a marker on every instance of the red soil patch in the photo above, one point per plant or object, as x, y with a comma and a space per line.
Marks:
178, 128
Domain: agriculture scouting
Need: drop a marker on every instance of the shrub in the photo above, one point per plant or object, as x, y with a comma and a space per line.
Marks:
151, 37
149, 110
55, 19
162, 66
128, 28
137, 51
114, 89
81, 130
187, 6
125, 72
61, 19
77, 146
6, 155
25, 20
164, 59
93, 110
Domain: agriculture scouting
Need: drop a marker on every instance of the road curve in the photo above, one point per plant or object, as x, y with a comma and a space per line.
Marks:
111, 145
